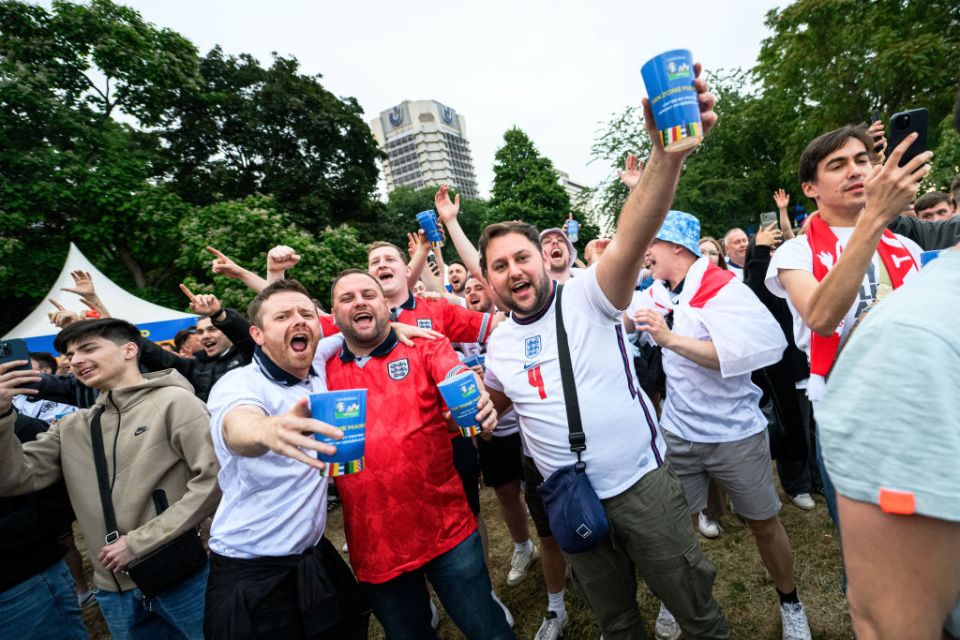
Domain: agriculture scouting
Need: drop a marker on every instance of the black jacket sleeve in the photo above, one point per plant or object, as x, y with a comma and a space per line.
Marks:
155, 358
237, 328
929, 235
62, 389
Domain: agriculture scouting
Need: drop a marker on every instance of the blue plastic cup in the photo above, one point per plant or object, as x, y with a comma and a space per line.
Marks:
461, 395
347, 411
572, 227
428, 222
673, 98
929, 256
473, 360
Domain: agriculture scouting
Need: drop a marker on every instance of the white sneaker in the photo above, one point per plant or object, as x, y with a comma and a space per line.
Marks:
506, 611
434, 615
667, 628
552, 627
520, 562
803, 501
708, 528
794, 620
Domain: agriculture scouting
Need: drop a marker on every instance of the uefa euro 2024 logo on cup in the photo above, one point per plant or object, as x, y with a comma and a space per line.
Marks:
468, 389
342, 410
677, 71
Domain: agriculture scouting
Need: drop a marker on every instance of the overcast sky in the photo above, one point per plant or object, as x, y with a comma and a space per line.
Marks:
555, 69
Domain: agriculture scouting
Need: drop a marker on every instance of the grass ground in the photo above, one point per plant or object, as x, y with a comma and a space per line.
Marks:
743, 587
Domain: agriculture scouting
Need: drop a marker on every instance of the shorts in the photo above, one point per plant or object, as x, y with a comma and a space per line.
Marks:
467, 463
532, 481
500, 459
743, 468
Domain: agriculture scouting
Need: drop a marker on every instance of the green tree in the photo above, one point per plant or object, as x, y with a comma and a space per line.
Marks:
272, 130
70, 169
828, 64
525, 185
245, 230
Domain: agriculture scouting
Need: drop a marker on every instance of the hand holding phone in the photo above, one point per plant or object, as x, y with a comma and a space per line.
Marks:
904, 123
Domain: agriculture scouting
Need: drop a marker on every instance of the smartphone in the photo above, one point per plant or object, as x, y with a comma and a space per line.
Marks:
903, 124
768, 218
15, 349
874, 116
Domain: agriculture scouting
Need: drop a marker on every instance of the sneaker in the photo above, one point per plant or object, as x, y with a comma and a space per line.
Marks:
520, 562
86, 599
794, 620
667, 628
803, 501
552, 627
708, 528
434, 615
506, 611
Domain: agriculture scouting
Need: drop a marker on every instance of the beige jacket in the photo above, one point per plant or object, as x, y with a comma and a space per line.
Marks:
157, 433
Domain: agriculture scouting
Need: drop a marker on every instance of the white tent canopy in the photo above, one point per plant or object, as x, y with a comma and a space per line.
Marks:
155, 322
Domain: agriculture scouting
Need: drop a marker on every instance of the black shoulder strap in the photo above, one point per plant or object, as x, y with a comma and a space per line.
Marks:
103, 482
578, 441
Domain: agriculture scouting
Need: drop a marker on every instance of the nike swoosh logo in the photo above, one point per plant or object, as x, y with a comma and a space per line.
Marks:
530, 365
140, 430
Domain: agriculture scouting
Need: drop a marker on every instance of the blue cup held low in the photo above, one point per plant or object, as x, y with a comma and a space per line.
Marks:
461, 395
673, 98
347, 411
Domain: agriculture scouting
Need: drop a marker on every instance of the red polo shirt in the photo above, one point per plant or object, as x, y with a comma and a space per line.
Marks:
457, 323
407, 506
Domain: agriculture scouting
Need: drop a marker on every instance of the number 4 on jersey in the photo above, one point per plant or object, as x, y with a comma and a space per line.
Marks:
536, 380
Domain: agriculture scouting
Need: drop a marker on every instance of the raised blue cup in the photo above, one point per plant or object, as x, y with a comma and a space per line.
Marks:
347, 411
428, 222
461, 393
673, 99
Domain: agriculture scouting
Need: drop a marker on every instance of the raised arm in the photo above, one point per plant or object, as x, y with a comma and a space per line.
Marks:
449, 211
889, 189
647, 206
227, 267
279, 260
83, 287
782, 199
417, 247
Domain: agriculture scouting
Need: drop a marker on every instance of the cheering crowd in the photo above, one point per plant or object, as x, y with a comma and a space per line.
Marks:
626, 399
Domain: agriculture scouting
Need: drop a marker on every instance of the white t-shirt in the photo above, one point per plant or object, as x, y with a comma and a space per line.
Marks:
735, 270
796, 254
703, 404
46, 410
272, 505
623, 442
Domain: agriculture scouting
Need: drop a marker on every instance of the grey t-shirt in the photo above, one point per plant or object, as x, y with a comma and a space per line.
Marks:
890, 420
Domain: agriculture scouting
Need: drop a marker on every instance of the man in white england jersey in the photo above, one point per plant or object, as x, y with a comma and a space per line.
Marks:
650, 530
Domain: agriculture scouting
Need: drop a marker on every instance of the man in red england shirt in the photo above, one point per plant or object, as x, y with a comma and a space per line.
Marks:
397, 538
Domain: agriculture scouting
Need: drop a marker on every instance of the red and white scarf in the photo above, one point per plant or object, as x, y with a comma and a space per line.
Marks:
826, 249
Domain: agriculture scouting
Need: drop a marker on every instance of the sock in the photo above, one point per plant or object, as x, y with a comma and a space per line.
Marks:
523, 546
788, 598
555, 604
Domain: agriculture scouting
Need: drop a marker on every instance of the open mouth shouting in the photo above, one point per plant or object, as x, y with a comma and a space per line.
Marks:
521, 289
556, 254
300, 342
363, 321
473, 300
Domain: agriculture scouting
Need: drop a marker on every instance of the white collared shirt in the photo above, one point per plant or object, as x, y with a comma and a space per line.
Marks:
272, 505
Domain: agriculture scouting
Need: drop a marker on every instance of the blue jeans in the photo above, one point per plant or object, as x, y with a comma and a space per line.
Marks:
175, 614
461, 581
41, 607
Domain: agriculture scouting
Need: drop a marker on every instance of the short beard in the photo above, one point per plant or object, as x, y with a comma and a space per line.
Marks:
382, 329
543, 295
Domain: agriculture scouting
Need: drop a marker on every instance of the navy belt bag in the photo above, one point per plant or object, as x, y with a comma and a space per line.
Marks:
577, 518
